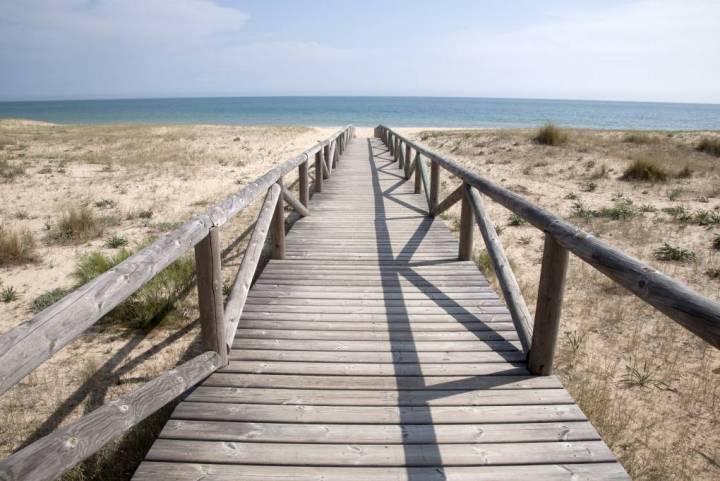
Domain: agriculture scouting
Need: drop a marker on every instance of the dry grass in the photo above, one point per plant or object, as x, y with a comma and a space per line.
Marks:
649, 386
550, 134
16, 246
77, 223
645, 169
709, 146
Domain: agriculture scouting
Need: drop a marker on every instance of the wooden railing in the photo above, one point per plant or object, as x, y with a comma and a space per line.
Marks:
31, 343
697, 313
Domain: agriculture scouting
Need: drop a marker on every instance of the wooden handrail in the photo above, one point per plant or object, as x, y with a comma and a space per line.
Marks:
697, 313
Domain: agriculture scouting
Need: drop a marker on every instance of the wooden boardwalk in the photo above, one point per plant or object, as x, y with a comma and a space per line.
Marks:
371, 353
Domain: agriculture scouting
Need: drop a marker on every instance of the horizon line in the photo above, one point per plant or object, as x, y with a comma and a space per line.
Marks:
198, 97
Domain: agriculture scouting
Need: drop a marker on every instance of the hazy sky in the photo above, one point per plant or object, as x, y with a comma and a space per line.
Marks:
624, 50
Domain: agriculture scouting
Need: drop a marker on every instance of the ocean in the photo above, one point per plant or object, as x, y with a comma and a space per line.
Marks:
369, 111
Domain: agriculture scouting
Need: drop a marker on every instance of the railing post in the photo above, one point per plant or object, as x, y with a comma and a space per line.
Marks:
210, 297
304, 183
408, 156
401, 158
396, 148
278, 228
418, 173
318, 171
549, 307
434, 184
466, 230
326, 159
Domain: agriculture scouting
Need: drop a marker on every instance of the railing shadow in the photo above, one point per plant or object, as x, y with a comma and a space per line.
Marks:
407, 376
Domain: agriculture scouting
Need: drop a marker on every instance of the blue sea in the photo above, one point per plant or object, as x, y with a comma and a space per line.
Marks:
369, 111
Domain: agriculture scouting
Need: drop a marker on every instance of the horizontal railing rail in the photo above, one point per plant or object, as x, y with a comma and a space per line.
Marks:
697, 313
28, 345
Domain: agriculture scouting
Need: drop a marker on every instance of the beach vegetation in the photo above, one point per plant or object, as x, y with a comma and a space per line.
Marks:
115, 241
550, 134
16, 246
667, 252
709, 146
149, 304
47, 299
644, 169
77, 223
8, 171
8, 294
639, 138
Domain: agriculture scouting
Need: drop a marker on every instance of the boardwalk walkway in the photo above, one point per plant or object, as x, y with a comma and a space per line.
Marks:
370, 353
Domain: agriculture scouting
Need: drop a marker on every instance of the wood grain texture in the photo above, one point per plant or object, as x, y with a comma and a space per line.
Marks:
549, 307
210, 296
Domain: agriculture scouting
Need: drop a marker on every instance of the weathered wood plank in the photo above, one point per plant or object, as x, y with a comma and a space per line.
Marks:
151, 471
379, 414
380, 455
377, 433
367, 369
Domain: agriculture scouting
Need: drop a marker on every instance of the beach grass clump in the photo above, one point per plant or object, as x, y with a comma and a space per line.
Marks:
47, 299
667, 252
16, 246
709, 146
550, 134
707, 218
483, 261
115, 241
645, 169
622, 209
713, 273
639, 138
716, 243
77, 223
8, 294
9, 171
515, 220
95, 263
147, 305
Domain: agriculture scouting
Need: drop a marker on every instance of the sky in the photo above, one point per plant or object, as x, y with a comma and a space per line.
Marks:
644, 50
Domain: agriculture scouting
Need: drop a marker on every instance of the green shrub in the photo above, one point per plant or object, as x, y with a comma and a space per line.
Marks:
482, 260
550, 134
666, 252
674, 194
679, 213
709, 146
707, 218
8, 294
92, 265
644, 169
588, 186
148, 304
16, 247
77, 223
515, 220
622, 209
105, 204
716, 243
47, 299
713, 273
115, 241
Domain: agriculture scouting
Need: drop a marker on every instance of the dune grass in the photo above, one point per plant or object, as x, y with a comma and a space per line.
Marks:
16, 246
77, 223
645, 169
550, 134
709, 146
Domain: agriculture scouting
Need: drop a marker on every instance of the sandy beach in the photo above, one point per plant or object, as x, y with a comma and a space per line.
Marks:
649, 387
